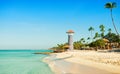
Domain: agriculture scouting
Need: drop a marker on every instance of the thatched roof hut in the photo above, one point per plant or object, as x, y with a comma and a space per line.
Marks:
66, 47
105, 40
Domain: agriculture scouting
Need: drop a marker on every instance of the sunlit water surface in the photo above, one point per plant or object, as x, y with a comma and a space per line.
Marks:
23, 62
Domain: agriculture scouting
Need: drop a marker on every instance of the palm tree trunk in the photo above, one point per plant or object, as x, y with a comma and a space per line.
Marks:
91, 36
113, 22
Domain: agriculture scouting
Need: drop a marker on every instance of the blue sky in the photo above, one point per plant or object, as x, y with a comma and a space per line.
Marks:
41, 24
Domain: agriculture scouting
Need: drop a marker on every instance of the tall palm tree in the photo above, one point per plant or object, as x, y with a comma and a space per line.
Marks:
111, 5
102, 29
91, 29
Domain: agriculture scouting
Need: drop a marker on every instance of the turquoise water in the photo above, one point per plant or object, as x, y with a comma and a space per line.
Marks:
23, 62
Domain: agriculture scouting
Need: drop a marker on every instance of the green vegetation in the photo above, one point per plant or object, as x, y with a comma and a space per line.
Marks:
77, 45
102, 29
60, 47
98, 44
97, 35
112, 37
91, 29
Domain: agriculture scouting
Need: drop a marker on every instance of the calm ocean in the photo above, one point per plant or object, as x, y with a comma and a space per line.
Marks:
23, 62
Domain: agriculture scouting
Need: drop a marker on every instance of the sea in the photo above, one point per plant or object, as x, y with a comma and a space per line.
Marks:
23, 62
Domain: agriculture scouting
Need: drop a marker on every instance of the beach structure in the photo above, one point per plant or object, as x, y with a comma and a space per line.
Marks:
70, 39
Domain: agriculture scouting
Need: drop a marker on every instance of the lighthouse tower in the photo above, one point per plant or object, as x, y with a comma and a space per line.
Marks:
70, 39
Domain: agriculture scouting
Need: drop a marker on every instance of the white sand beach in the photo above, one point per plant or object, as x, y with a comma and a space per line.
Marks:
84, 62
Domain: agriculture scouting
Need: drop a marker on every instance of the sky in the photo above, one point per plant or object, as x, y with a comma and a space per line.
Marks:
42, 24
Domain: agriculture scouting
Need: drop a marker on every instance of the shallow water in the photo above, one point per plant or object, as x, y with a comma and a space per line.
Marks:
23, 62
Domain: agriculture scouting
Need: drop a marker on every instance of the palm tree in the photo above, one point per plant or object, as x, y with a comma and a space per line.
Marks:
111, 5
109, 30
88, 38
82, 40
96, 35
91, 29
102, 29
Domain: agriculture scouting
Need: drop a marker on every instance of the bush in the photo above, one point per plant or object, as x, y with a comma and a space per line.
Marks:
97, 43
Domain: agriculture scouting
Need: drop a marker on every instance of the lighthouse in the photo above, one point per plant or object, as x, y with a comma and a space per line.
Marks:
70, 39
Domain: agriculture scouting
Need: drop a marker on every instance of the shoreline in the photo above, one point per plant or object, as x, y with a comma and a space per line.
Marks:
50, 62
72, 59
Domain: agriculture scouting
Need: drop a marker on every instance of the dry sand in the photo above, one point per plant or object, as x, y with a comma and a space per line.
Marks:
84, 62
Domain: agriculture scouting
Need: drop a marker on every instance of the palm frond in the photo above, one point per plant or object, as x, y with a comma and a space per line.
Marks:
108, 5
114, 4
